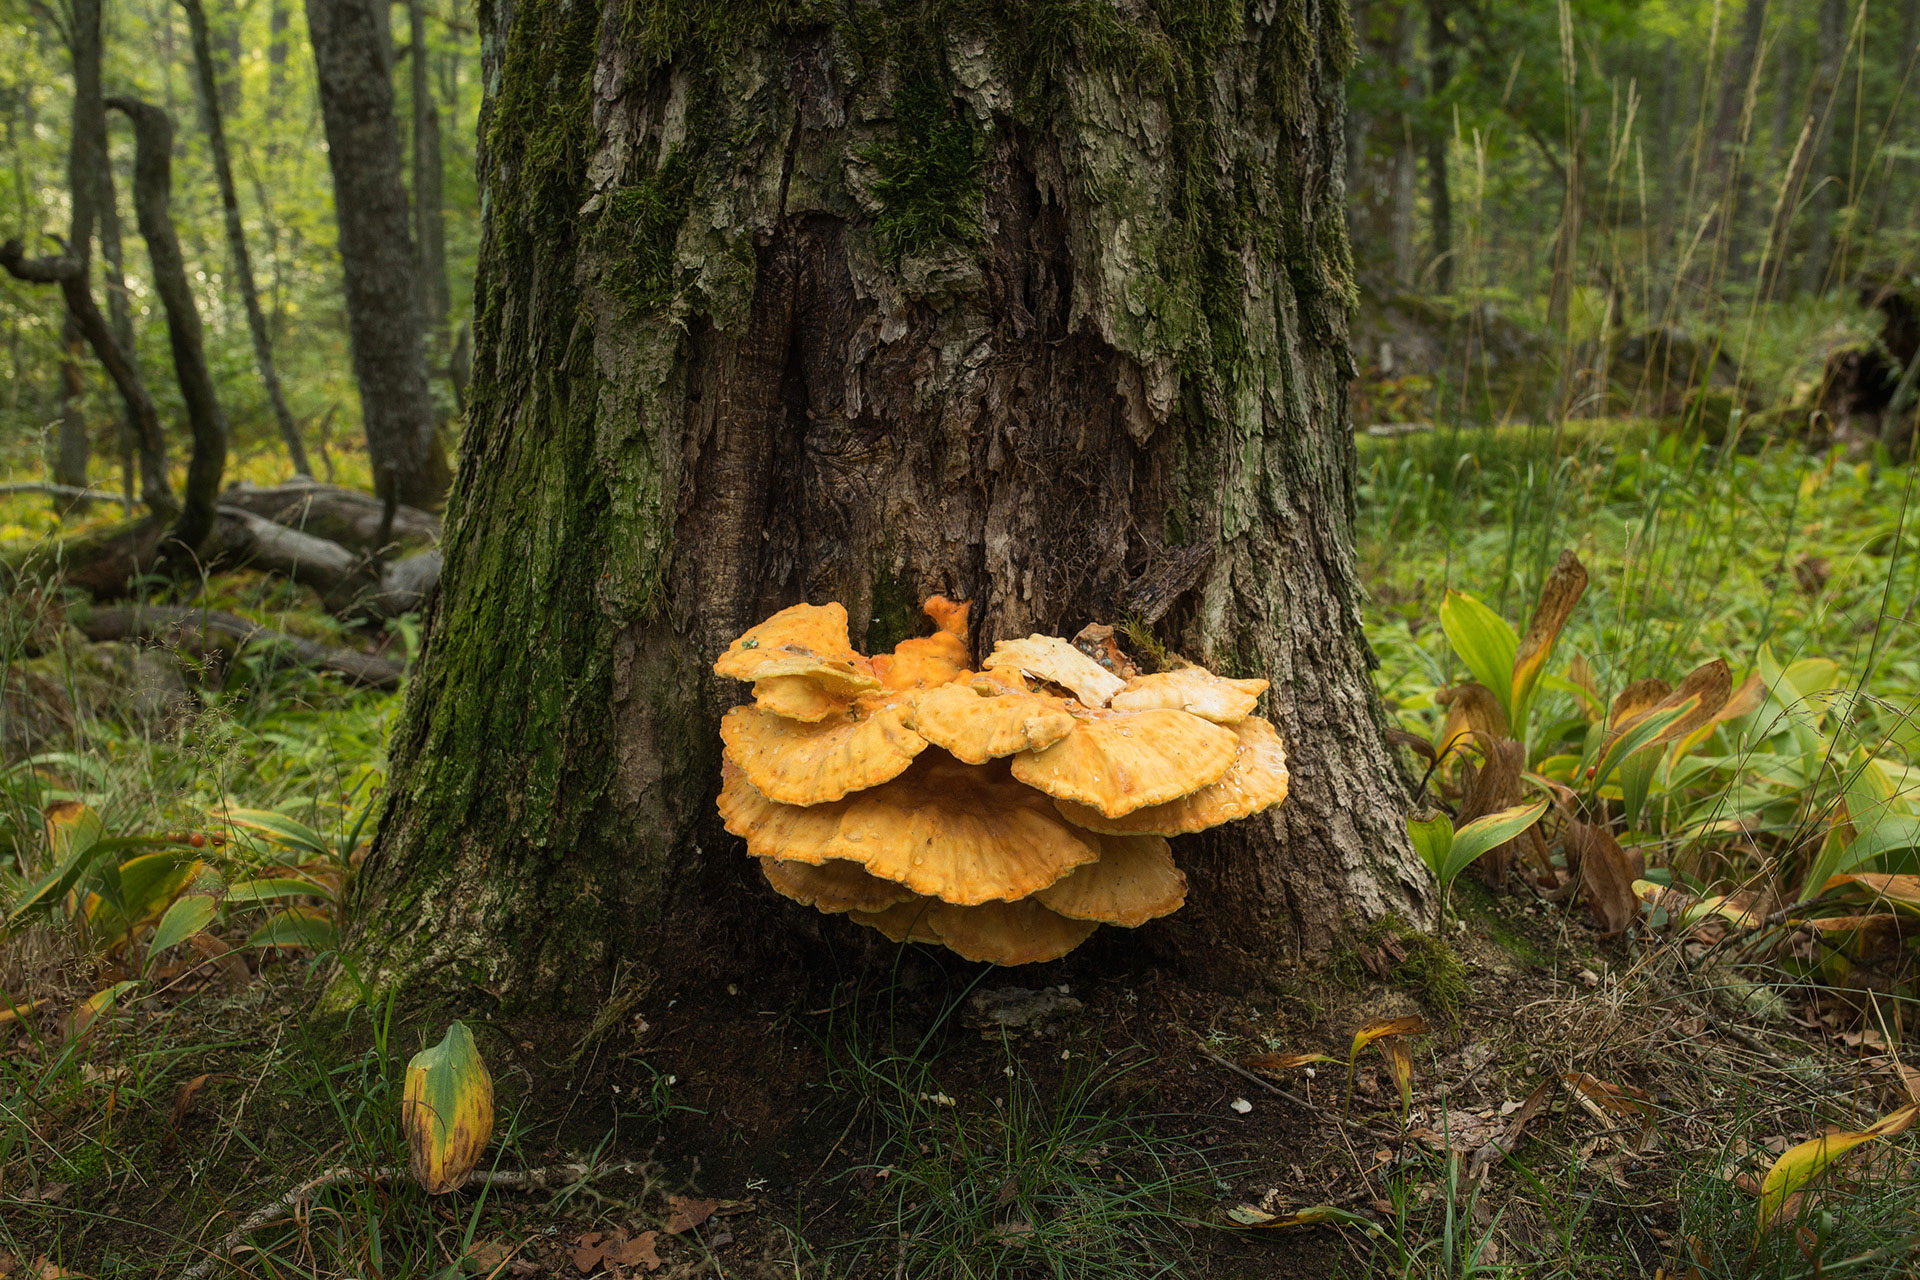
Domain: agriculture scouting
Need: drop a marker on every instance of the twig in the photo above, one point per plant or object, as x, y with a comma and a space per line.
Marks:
1294, 1098
500, 1179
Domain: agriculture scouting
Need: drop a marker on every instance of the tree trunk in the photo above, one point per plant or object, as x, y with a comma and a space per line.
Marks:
863, 312
1438, 139
376, 248
84, 318
429, 228
210, 118
1823, 195
152, 201
119, 310
86, 181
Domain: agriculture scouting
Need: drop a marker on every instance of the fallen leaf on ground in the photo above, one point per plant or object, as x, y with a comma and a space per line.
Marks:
1246, 1215
625, 1251
182, 1103
486, 1258
588, 1250
686, 1213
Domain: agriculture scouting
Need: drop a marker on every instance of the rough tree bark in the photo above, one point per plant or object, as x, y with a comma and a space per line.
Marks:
909, 299
211, 120
152, 207
376, 248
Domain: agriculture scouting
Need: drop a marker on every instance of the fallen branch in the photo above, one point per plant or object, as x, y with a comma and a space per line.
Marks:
202, 629
499, 1180
66, 491
346, 516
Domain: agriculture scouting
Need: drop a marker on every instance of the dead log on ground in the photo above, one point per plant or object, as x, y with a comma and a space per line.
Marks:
203, 631
346, 516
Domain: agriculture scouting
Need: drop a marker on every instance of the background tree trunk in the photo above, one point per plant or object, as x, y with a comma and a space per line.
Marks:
863, 312
152, 198
210, 117
376, 248
86, 182
429, 227
113, 276
1439, 137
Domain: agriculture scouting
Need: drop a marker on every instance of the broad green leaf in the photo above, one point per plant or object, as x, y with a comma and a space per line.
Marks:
187, 916
1799, 1165
281, 830
274, 888
1644, 732
71, 828
1558, 595
297, 927
447, 1111
149, 882
1490, 832
1484, 641
1432, 838
1636, 780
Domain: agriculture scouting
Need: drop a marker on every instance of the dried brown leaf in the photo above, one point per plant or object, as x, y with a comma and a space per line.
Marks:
1607, 873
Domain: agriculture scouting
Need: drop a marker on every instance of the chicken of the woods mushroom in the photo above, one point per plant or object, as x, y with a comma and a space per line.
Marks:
1005, 812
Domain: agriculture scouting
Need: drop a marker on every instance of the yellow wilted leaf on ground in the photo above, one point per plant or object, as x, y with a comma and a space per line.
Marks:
447, 1110
1413, 1025
1799, 1165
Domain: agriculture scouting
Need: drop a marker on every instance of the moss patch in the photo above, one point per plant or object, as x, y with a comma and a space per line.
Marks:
930, 188
638, 231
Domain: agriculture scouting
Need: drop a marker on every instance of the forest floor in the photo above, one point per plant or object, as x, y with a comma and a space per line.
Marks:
1602, 1102
1577, 1102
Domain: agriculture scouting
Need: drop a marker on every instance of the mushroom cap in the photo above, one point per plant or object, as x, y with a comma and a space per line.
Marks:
948, 615
1257, 780
1020, 932
802, 640
797, 763
796, 698
834, 885
957, 832
1119, 761
923, 663
909, 921
1194, 690
1134, 882
1053, 659
990, 715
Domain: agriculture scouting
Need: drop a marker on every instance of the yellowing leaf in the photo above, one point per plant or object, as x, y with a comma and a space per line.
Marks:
1562, 590
1409, 1026
1799, 1165
1400, 1066
447, 1111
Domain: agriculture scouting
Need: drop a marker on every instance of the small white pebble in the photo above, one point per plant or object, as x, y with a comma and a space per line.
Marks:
1241, 1105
